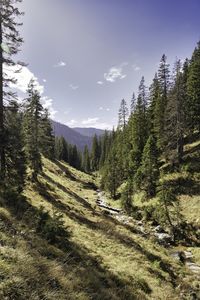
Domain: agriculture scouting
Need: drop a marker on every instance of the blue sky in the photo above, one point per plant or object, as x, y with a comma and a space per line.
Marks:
89, 54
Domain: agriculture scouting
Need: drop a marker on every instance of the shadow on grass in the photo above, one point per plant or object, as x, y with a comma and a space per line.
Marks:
69, 192
107, 228
184, 186
96, 281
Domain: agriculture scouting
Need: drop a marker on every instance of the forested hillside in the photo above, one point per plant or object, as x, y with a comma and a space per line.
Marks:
117, 220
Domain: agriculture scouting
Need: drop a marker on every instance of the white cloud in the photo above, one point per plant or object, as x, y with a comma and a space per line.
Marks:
107, 109
90, 121
48, 103
100, 82
100, 108
60, 64
113, 74
95, 122
44, 80
136, 68
73, 87
71, 123
23, 78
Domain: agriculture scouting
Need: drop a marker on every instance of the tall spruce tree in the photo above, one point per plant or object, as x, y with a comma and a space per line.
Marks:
123, 114
175, 117
148, 173
10, 42
32, 118
138, 130
86, 160
133, 103
161, 103
46, 136
95, 154
15, 155
193, 89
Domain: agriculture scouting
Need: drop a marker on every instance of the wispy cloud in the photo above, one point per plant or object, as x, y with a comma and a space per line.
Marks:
105, 109
136, 68
95, 122
71, 123
100, 82
90, 121
44, 80
60, 64
73, 87
114, 73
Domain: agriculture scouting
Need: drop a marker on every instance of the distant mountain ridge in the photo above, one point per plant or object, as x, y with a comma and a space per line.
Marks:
76, 136
90, 132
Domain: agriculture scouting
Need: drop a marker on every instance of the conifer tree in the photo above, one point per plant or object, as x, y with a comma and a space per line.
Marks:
193, 89
15, 156
133, 103
32, 118
147, 175
175, 117
138, 130
86, 160
46, 136
10, 42
123, 114
95, 154
161, 103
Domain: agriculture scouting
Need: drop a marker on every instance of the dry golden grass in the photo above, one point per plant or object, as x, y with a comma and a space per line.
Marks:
101, 259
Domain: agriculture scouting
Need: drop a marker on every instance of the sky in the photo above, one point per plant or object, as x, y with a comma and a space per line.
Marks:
87, 55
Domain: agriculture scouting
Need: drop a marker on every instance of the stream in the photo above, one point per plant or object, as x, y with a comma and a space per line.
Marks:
162, 237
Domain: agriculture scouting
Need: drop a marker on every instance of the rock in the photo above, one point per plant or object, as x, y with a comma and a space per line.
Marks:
188, 255
159, 229
139, 223
164, 238
193, 267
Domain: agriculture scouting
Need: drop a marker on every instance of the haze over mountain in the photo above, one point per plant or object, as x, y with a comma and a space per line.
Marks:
89, 131
76, 136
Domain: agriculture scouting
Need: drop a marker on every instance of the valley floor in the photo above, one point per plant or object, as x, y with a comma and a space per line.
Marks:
96, 256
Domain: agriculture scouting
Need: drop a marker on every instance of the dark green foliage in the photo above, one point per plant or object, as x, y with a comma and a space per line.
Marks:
137, 128
95, 154
47, 139
127, 197
123, 115
175, 122
193, 90
68, 153
9, 37
160, 100
111, 174
148, 173
168, 211
15, 156
32, 117
51, 228
61, 149
86, 160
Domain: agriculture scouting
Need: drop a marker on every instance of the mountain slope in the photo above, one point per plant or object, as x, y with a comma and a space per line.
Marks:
90, 132
83, 254
71, 136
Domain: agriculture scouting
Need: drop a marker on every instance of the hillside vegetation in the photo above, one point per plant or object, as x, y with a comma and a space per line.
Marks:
77, 250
